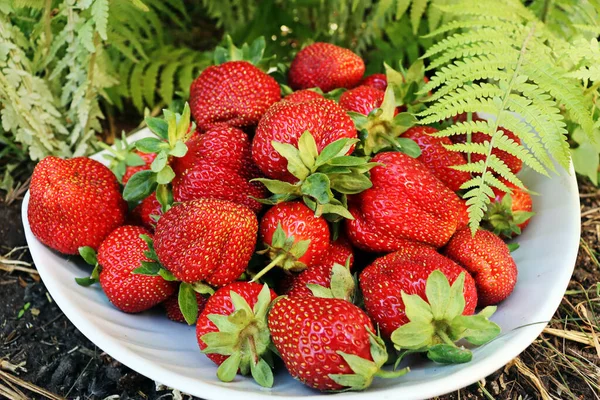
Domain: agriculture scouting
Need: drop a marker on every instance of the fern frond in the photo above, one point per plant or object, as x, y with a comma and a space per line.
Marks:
100, 15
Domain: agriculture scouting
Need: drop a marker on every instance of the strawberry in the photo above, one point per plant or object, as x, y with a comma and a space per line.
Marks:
303, 95
488, 259
207, 240
232, 331
406, 202
325, 66
119, 255
293, 236
362, 99
324, 281
173, 311
509, 213
327, 343
340, 252
406, 270
235, 93
463, 216
286, 121
74, 203
146, 213
437, 158
377, 81
131, 170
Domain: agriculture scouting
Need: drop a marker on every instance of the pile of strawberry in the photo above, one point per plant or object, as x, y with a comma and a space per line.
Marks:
321, 228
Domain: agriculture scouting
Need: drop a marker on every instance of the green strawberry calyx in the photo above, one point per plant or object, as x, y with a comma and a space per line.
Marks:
244, 337
364, 371
253, 53
342, 286
502, 220
121, 155
324, 179
436, 324
90, 257
171, 134
284, 252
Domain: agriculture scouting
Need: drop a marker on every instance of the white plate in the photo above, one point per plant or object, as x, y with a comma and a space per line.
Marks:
167, 351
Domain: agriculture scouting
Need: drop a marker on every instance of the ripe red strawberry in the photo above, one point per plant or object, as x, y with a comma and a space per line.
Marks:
217, 181
406, 270
206, 240
74, 203
463, 216
294, 237
233, 327
320, 338
303, 95
367, 236
286, 121
325, 66
509, 214
316, 275
406, 202
362, 99
377, 81
143, 213
119, 254
235, 93
437, 158
488, 259
130, 171
339, 251
174, 312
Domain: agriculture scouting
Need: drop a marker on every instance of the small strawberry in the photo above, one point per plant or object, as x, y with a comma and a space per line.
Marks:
406, 202
206, 240
235, 93
362, 99
328, 343
509, 213
488, 259
325, 66
437, 158
131, 170
74, 203
232, 331
293, 236
301, 96
286, 121
173, 310
147, 212
406, 270
377, 81
119, 255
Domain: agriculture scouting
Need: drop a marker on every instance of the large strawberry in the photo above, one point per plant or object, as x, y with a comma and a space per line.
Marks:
74, 203
368, 237
232, 331
437, 158
286, 121
207, 240
362, 99
328, 343
293, 236
119, 255
406, 202
488, 259
235, 93
303, 95
509, 213
406, 270
325, 66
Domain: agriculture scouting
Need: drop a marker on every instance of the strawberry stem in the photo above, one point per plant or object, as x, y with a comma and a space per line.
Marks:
269, 267
442, 335
391, 374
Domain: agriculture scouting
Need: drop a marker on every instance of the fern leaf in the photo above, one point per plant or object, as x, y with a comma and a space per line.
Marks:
136, 85
37, 4
150, 77
100, 16
86, 36
401, 7
417, 9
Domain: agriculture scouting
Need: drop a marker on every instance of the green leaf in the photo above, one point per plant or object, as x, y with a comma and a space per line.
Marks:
476, 329
307, 148
333, 209
586, 161
148, 268
417, 309
335, 149
409, 147
167, 275
165, 175
158, 126
139, 186
100, 16
229, 368
413, 336
262, 373
300, 248
203, 288
134, 160
88, 254
513, 246
279, 237
159, 162
317, 186
342, 283
488, 311
150, 145
320, 291
240, 303
278, 187
438, 293
447, 354
188, 303
85, 282
456, 299
295, 164
179, 150
350, 183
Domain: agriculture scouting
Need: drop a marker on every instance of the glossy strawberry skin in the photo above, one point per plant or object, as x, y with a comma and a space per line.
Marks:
143, 213
407, 202
207, 240
437, 158
325, 66
130, 171
220, 303
286, 121
308, 332
301, 96
299, 221
74, 203
173, 311
338, 252
119, 254
488, 259
362, 99
377, 81
406, 270
521, 201
235, 93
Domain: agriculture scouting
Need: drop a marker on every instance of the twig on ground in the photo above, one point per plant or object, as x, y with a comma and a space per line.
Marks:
10, 379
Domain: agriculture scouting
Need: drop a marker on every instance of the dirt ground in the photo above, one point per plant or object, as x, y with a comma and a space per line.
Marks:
42, 355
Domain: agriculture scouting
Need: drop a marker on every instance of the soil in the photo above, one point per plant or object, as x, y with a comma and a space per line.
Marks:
56, 357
